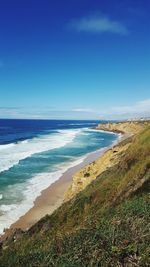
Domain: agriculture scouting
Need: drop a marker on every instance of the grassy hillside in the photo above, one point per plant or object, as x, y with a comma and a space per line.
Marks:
107, 224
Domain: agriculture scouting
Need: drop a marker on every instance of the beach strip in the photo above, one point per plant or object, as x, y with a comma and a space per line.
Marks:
52, 197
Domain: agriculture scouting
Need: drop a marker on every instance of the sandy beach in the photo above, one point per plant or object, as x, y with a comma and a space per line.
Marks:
52, 197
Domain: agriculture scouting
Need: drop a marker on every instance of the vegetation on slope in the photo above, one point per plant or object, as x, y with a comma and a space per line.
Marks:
88, 173
129, 127
107, 224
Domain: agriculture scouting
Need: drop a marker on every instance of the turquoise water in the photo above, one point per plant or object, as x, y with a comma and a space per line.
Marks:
31, 165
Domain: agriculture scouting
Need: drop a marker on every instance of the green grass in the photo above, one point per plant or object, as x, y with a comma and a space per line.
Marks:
107, 224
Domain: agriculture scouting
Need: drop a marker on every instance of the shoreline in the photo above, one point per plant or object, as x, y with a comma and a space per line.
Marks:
53, 196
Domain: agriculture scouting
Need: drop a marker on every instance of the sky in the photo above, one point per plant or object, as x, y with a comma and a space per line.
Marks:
74, 59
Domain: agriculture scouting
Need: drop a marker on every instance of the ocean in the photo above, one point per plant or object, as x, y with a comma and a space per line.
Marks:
35, 153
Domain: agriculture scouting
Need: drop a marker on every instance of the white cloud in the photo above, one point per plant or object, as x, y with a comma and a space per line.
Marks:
89, 110
99, 24
139, 109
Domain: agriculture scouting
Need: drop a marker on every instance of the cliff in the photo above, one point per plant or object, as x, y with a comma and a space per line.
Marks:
111, 157
90, 172
106, 224
128, 127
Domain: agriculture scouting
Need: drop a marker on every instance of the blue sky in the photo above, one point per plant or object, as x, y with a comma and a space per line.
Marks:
74, 59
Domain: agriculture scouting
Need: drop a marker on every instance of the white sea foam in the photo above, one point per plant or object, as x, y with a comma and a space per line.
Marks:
1, 196
11, 154
31, 190
2, 147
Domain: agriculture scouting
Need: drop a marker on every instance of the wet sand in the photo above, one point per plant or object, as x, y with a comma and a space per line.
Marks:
52, 197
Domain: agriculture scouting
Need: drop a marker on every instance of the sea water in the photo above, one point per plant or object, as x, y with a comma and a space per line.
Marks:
35, 153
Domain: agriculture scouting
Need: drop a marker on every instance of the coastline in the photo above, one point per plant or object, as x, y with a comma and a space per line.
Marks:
52, 197
118, 197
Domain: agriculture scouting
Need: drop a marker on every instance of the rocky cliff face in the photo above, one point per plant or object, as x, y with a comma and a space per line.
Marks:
106, 224
111, 157
128, 127
90, 172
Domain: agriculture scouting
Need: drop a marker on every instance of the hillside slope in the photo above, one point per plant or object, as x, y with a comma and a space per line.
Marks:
129, 127
111, 157
90, 172
106, 224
